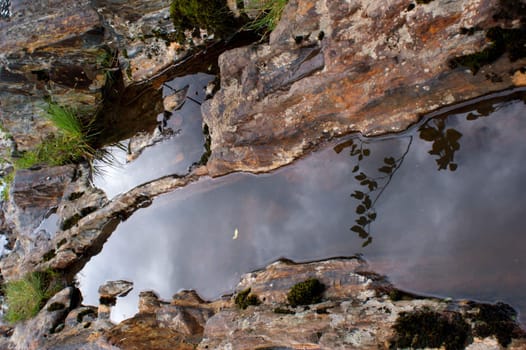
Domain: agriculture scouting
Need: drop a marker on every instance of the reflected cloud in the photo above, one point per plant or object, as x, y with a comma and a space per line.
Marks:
455, 234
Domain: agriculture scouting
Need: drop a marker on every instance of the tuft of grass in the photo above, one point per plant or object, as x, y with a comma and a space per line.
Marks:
269, 14
6, 182
212, 15
25, 297
71, 144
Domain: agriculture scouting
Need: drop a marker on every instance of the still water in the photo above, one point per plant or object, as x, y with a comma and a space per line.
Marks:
177, 151
439, 209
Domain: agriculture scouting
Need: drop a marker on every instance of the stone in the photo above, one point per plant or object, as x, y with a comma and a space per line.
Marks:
333, 68
356, 311
113, 289
34, 194
175, 101
32, 334
60, 62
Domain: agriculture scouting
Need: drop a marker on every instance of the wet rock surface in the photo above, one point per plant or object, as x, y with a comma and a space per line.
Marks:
59, 63
357, 309
331, 68
328, 70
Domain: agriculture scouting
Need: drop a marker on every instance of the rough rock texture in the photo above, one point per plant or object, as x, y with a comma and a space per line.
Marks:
358, 310
48, 49
35, 194
335, 67
89, 226
32, 334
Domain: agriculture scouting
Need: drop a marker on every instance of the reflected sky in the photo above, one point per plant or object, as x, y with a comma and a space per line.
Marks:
450, 233
173, 155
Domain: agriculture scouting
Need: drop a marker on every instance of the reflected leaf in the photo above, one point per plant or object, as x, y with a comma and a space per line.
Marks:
360, 177
362, 221
452, 135
367, 242
428, 133
342, 146
367, 202
360, 231
372, 216
366, 152
373, 185
356, 168
358, 195
453, 166
360, 209
389, 161
386, 169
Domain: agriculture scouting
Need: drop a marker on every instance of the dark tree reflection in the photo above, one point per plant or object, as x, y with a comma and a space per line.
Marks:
373, 185
445, 142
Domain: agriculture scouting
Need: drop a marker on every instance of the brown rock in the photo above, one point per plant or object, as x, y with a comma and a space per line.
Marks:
60, 61
332, 68
32, 334
113, 289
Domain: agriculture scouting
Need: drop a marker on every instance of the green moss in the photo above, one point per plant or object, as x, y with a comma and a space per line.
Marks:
244, 299
25, 297
306, 292
70, 222
212, 15
512, 41
430, 329
280, 310
6, 182
497, 320
49, 255
61, 242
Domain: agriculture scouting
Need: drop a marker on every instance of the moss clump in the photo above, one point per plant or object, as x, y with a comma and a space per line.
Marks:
512, 41
49, 255
212, 15
430, 329
306, 292
244, 299
25, 297
497, 320
70, 222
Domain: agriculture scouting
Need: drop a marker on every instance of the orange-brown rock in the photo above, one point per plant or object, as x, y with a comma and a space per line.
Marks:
336, 67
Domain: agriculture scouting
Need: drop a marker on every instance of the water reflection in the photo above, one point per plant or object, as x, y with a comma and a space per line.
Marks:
178, 146
452, 233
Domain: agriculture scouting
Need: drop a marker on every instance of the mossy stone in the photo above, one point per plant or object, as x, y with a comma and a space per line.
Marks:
306, 292
244, 299
430, 329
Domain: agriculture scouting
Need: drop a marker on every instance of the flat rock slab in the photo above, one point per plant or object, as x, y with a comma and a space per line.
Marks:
332, 68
